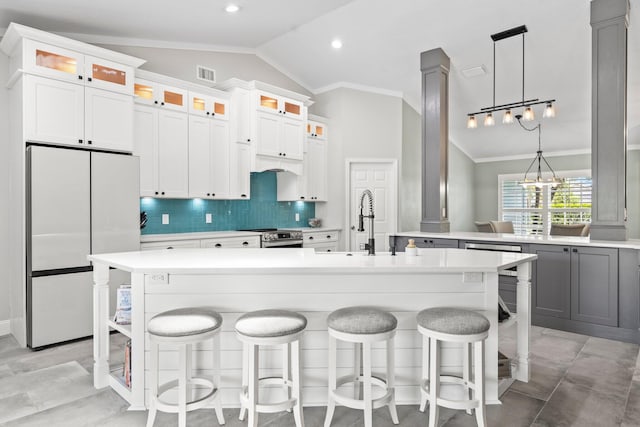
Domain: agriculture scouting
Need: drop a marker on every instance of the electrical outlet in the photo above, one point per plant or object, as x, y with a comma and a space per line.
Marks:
471, 277
297, 217
208, 218
165, 219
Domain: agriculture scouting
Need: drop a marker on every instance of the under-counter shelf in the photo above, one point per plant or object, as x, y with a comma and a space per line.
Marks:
117, 383
123, 329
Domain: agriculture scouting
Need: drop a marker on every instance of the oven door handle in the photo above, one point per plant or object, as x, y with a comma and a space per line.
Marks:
280, 243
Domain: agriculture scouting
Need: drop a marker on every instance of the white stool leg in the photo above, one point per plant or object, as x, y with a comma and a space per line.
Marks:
153, 384
478, 358
466, 370
182, 387
357, 370
425, 372
366, 379
245, 379
391, 380
331, 403
434, 381
253, 385
286, 370
297, 383
216, 378
188, 369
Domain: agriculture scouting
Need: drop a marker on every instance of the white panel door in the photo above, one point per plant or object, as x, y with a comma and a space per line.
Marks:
145, 138
54, 111
380, 179
60, 208
268, 143
220, 172
200, 156
108, 120
240, 176
173, 154
115, 203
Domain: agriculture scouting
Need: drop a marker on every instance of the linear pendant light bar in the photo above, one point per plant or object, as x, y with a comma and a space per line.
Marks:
526, 104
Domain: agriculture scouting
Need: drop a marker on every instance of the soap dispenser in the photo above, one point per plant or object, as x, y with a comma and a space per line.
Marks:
411, 249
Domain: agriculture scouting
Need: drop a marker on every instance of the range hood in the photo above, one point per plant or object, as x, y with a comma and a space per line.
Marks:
269, 164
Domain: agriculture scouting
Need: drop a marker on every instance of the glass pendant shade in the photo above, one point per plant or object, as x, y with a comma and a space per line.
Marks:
471, 122
549, 111
508, 117
528, 115
488, 120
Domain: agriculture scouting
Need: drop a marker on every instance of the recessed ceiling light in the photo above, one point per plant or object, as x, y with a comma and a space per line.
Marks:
232, 8
336, 44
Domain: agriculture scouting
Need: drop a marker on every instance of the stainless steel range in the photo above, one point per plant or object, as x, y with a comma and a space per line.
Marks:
274, 238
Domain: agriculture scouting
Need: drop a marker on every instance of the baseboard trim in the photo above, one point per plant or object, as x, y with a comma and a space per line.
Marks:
601, 331
5, 327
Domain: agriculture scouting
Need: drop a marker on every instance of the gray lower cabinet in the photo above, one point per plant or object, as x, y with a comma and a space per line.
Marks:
576, 283
594, 285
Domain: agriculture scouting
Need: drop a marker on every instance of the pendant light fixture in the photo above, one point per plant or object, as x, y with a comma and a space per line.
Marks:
525, 104
538, 180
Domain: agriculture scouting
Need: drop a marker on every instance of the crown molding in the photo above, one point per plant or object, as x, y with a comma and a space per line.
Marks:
355, 86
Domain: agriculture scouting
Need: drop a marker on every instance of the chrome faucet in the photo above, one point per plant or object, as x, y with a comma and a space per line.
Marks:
371, 246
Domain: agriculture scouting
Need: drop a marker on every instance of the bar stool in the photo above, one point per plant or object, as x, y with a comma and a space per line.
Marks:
363, 326
458, 326
271, 327
184, 327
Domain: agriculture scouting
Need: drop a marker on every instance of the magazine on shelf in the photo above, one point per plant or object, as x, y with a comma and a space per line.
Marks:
123, 305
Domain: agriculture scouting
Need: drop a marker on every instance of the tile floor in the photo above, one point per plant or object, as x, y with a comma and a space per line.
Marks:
576, 381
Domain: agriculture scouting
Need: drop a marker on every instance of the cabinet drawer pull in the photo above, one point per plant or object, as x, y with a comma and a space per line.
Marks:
328, 236
218, 245
310, 237
245, 243
243, 195
301, 197
169, 247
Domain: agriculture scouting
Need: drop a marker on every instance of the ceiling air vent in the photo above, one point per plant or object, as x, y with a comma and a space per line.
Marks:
206, 74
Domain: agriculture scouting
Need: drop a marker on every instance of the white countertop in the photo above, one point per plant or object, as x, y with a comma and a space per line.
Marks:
304, 261
506, 237
145, 238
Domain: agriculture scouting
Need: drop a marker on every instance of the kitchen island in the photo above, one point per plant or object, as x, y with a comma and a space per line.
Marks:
234, 281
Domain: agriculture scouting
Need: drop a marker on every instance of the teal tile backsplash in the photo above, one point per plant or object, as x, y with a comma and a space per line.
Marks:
261, 211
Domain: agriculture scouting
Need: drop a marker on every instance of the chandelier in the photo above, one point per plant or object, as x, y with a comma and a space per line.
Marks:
525, 104
538, 180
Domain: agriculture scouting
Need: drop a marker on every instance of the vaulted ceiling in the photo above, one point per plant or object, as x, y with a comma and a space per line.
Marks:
382, 41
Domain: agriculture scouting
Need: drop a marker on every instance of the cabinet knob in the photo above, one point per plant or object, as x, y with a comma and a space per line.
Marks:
284, 154
89, 142
565, 249
156, 193
162, 103
248, 139
89, 79
279, 154
280, 111
213, 114
169, 247
218, 245
155, 102
208, 113
213, 194
162, 193
328, 236
574, 250
80, 141
79, 77
301, 197
208, 194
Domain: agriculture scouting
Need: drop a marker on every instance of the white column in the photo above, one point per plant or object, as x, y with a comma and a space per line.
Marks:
523, 307
100, 326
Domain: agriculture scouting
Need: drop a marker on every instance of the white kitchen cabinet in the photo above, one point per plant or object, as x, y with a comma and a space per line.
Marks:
59, 112
209, 158
240, 171
316, 130
208, 106
161, 95
312, 184
279, 105
162, 142
321, 241
169, 244
64, 64
279, 136
232, 242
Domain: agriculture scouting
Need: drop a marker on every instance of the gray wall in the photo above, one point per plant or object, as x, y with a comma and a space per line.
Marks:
409, 190
4, 188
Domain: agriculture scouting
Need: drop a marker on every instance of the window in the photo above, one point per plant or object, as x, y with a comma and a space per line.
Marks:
532, 210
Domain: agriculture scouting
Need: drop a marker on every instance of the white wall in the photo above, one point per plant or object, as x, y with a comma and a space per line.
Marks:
4, 193
362, 125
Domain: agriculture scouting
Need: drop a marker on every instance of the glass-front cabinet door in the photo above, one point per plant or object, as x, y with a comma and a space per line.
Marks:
316, 130
280, 105
108, 75
159, 95
208, 106
51, 61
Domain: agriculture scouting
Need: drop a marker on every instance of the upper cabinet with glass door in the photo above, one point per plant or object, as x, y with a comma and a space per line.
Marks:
209, 105
65, 64
160, 95
280, 105
316, 130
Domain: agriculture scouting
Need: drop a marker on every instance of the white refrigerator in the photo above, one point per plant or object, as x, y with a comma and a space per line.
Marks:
79, 202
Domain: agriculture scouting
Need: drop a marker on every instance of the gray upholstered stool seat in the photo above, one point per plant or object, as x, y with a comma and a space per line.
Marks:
363, 326
453, 321
453, 325
184, 321
270, 323
183, 328
271, 327
362, 320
